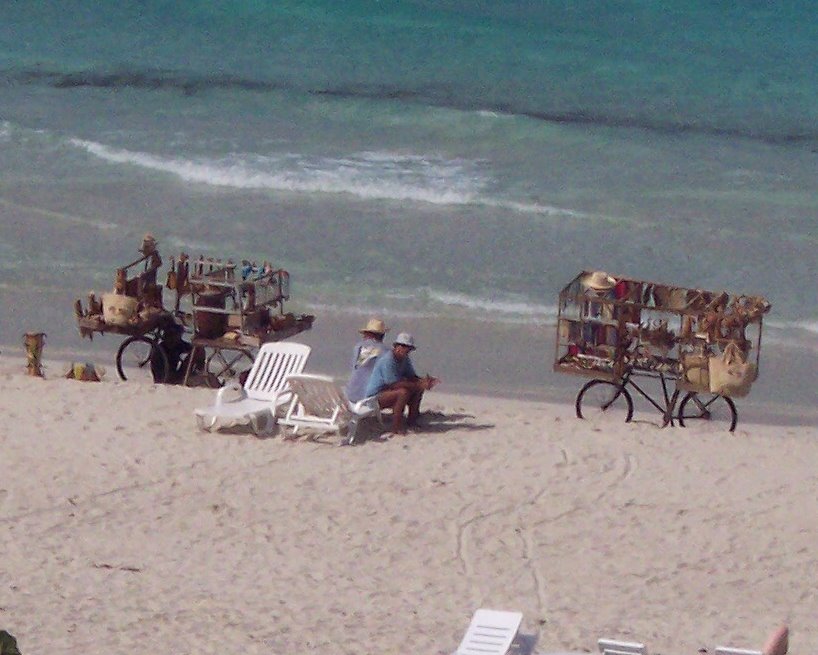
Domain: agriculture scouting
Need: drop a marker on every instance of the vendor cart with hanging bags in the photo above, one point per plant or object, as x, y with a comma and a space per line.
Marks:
230, 315
702, 347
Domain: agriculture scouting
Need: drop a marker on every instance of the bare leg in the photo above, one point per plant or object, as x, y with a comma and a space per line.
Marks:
395, 399
778, 641
414, 407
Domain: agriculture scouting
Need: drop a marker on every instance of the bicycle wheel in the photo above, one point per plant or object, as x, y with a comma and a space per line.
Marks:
139, 358
600, 397
708, 411
222, 368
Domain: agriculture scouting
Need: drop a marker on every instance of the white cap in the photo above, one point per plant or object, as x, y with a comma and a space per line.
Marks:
405, 339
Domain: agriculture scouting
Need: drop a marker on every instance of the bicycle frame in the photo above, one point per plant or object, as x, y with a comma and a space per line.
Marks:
670, 399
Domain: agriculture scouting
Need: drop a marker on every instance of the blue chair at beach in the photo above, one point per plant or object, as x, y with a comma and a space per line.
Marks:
263, 392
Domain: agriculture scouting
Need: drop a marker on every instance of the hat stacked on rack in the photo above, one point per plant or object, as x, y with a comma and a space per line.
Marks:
598, 280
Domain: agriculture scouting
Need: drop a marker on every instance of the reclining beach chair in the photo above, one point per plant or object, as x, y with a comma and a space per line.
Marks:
725, 650
491, 632
318, 403
613, 647
264, 390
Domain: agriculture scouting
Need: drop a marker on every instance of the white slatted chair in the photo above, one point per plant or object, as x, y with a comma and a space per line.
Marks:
613, 647
263, 391
318, 403
725, 650
491, 632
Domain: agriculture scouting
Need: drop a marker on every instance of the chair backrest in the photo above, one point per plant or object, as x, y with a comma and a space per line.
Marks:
490, 632
274, 362
318, 395
614, 647
725, 650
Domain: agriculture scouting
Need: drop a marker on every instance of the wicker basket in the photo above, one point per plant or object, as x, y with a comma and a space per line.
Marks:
118, 309
210, 325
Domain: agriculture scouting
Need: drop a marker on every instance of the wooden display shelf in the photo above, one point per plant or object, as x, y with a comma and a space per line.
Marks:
96, 324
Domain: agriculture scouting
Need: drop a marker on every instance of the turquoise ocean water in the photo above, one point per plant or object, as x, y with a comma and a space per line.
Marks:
426, 160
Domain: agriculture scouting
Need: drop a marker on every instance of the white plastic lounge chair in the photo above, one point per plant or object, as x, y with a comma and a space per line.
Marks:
491, 632
263, 391
725, 650
613, 647
319, 403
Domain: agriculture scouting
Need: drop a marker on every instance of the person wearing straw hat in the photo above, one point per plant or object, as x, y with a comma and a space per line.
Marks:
149, 243
367, 350
147, 289
396, 384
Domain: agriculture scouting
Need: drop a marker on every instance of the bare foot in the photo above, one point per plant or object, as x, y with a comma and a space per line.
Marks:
386, 436
778, 642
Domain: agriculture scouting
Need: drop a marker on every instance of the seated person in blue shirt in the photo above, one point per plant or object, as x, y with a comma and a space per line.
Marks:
367, 351
396, 384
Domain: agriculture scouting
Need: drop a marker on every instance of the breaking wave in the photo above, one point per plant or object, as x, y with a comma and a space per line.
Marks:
368, 175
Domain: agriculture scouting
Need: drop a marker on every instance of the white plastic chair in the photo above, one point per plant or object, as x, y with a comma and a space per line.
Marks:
264, 390
613, 647
725, 650
319, 403
491, 632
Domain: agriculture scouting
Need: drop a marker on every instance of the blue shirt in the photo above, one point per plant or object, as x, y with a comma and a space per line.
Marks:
366, 354
388, 370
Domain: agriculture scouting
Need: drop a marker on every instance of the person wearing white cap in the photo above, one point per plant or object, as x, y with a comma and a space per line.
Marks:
396, 384
367, 350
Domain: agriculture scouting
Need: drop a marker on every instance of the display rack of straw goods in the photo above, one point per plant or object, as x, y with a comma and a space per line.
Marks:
132, 308
234, 312
617, 330
229, 316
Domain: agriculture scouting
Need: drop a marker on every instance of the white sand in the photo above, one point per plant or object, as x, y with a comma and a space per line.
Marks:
124, 529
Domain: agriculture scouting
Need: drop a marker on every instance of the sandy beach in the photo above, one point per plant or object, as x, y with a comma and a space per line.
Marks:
126, 529
449, 167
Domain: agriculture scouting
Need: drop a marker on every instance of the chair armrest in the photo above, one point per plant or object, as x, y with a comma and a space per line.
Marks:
365, 406
282, 397
233, 387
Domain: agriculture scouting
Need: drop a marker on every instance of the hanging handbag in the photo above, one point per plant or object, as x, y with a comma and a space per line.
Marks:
661, 296
677, 299
696, 300
730, 374
696, 372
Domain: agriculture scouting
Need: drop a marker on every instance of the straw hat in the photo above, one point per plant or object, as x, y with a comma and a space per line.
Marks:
598, 280
376, 326
148, 243
404, 339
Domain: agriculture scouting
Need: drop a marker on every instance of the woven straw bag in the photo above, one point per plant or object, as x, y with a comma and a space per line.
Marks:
730, 374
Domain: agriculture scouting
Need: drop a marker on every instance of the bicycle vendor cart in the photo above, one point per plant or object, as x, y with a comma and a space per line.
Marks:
617, 330
230, 317
134, 309
233, 315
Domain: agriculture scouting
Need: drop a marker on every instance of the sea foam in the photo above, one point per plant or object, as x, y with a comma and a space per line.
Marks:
373, 175
368, 175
